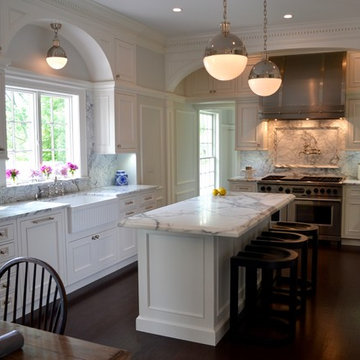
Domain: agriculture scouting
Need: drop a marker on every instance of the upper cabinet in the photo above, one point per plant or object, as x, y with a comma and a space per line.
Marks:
115, 121
125, 62
200, 84
353, 100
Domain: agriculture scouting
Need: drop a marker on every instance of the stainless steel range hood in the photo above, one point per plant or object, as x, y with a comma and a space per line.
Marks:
313, 87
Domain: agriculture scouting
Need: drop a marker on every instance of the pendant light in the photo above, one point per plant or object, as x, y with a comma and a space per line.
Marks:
265, 77
56, 56
225, 55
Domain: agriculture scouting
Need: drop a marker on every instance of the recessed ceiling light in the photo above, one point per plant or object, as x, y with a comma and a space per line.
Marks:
177, 9
288, 16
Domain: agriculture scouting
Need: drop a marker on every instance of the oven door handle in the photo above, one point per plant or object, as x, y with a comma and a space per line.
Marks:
318, 199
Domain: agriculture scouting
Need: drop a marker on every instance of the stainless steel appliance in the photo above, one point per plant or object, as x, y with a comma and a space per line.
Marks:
318, 200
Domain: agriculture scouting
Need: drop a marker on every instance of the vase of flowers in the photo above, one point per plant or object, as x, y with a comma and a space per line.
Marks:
12, 173
46, 170
72, 168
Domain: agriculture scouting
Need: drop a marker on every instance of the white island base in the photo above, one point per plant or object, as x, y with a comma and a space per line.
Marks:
184, 252
184, 283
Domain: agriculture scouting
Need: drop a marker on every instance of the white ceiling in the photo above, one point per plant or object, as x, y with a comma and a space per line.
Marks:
204, 16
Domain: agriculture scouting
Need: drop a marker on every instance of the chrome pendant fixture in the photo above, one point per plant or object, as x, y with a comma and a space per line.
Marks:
265, 77
56, 56
225, 55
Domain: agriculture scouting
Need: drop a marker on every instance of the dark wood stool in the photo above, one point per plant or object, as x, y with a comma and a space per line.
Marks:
293, 241
310, 230
256, 322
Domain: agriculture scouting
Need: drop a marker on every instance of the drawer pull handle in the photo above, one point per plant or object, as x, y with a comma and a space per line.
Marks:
149, 207
43, 220
2, 233
4, 285
129, 203
95, 237
130, 213
148, 198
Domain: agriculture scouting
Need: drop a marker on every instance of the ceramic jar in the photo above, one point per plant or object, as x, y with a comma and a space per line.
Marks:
121, 178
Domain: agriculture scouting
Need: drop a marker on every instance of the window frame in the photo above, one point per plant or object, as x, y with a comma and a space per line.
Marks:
76, 90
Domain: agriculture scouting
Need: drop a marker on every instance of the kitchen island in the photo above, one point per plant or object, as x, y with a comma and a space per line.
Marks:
183, 259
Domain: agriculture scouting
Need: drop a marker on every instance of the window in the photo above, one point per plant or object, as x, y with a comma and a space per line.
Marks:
40, 131
208, 152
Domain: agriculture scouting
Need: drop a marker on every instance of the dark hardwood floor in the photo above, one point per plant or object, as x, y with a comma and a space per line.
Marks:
330, 330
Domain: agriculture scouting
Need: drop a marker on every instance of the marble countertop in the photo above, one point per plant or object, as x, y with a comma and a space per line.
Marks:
12, 211
242, 178
229, 216
351, 182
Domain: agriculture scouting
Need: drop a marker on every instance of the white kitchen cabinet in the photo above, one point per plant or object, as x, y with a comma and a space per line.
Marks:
91, 254
8, 246
353, 71
115, 128
201, 84
125, 122
250, 131
129, 206
242, 185
125, 61
43, 237
351, 212
353, 121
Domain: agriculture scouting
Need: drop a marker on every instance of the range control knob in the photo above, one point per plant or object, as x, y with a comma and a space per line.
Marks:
308, 191
268, 188
335, 191
262, 188
322, 191
287, 191
316, 190
281, 188
328, 191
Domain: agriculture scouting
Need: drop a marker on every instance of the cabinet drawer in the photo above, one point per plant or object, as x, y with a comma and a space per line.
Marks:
243, 186
7, 251
127, 204
352, 192
6, 232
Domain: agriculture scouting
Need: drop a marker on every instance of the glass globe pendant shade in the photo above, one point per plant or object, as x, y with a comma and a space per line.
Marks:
225, 56
56, 57
264, 78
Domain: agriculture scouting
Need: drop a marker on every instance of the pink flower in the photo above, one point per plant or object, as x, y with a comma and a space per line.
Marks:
12, 173
35, 173
72, 167
64, 171
46, 170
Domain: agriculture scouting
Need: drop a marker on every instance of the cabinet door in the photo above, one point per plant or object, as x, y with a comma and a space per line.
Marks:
351, 211
353, 117
125, 63
44, 238
91, 254
125, 122
249, 132
127, 243
353, 71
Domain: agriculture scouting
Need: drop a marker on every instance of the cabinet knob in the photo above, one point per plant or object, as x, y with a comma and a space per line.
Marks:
118, 145
117, 76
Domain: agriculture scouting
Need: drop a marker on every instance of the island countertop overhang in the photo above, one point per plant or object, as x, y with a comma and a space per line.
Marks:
227, 216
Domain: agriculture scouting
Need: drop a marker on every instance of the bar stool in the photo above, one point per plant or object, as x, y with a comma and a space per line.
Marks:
293, 241
256, 322
310, 230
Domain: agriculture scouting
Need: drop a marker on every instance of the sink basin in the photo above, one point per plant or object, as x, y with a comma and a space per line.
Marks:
87, 211
78, 200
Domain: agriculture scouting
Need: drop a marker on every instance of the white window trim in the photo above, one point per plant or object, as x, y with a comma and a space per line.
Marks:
24, 79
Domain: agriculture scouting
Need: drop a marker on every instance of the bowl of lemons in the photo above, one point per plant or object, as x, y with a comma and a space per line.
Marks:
219, 191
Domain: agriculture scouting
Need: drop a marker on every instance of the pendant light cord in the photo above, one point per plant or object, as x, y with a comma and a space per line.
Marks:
225, 10
265, 29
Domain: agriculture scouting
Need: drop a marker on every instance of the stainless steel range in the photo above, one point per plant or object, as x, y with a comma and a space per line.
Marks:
318, 200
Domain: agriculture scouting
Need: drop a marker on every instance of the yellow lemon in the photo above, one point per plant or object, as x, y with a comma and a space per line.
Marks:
222, 191
215, 192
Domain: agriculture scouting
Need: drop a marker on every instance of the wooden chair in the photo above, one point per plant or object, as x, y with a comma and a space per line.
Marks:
33, 294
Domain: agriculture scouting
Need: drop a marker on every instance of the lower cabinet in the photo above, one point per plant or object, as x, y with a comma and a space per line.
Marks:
43, 237
242, 185
351, 212
91, 254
